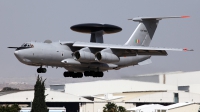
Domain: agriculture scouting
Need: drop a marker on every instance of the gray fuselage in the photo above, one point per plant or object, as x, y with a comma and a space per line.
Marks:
52, 54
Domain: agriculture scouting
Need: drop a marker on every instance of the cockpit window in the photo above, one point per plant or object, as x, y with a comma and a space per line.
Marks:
28, 45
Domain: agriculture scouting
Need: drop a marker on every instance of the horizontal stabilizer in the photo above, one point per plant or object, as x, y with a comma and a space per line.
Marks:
156, 18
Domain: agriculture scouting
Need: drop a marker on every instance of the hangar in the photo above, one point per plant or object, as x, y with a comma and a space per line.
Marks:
92, 96
178, 107
53, 99
186, 81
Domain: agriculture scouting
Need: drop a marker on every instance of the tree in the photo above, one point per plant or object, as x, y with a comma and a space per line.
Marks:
112, 107
121, 109
9, 89
12, 108
39, 104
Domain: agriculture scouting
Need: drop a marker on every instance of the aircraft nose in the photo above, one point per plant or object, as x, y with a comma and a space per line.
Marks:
17, 54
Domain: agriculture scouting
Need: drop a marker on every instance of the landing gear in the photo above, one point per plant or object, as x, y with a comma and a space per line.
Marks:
80, 74
93, 74
72, 74
41, 70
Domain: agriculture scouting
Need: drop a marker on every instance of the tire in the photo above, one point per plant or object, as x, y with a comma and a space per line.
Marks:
38, 70
44, 70
86, 73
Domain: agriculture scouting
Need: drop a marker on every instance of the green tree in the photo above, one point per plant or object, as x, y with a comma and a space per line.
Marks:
121, 109
9, 89
12, 108
39, 104
112, 107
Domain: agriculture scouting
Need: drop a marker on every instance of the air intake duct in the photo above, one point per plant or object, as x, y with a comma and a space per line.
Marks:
83, 56
106, 57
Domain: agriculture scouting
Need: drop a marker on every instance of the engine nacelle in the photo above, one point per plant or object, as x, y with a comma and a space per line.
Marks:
106, 57
83, 56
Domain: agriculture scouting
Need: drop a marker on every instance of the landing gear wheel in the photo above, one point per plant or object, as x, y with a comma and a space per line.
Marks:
78, 75
44, 70
87, 74
98, 74
41, 70
68, 74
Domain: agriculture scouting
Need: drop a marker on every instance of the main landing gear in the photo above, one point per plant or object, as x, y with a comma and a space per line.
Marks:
41, 70
80, 74
72, 74
93, 74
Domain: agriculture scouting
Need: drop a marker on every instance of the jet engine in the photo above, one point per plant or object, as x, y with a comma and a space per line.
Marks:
83, 56
106, 57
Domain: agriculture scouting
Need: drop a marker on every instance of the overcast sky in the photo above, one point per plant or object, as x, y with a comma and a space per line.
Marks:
37, 20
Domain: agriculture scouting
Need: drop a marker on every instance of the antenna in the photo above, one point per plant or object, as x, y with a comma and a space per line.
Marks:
96, 30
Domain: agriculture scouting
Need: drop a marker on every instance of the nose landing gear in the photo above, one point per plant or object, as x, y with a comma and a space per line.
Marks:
41, 70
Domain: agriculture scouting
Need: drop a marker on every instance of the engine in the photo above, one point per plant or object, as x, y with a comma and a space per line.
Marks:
106, 57
83, 56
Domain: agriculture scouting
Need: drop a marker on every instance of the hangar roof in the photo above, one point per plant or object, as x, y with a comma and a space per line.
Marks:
153, 106
148, 97
52, 96
113, 86
177, 105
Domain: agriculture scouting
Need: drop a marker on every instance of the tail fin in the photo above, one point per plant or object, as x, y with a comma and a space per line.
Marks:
144, 32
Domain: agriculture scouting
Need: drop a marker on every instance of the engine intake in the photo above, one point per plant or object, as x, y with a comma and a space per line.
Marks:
83, 56
106, 57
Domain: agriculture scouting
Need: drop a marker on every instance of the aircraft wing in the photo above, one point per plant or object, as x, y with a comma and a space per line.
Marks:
130, 50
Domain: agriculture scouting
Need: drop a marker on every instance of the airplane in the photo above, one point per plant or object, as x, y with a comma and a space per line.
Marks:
95, 57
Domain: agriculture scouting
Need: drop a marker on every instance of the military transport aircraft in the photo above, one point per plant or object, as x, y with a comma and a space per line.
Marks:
94, 57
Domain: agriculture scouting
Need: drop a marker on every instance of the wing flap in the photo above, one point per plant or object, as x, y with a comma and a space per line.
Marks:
152, 52
131, 50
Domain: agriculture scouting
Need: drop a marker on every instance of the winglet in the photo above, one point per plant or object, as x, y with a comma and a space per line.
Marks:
185, 16
185, 49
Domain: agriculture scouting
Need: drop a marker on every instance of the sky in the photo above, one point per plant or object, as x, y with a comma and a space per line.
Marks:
37, 20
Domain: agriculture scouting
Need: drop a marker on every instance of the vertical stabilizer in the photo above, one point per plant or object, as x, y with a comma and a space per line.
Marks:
144, 32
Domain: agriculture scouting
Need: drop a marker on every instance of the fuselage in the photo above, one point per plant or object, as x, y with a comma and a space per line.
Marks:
52, 54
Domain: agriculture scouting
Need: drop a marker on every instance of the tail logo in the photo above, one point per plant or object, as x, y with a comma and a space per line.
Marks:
137, 41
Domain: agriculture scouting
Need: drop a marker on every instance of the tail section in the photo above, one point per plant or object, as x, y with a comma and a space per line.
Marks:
144, 32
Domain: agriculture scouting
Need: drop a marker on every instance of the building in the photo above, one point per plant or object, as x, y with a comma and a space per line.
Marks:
53, 99
145, 108
113, 86
93, 96
179, 107
185, 81
126, 93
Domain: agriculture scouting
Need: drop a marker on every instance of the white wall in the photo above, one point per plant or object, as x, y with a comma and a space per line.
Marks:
191, 79
183, 78
113, 86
